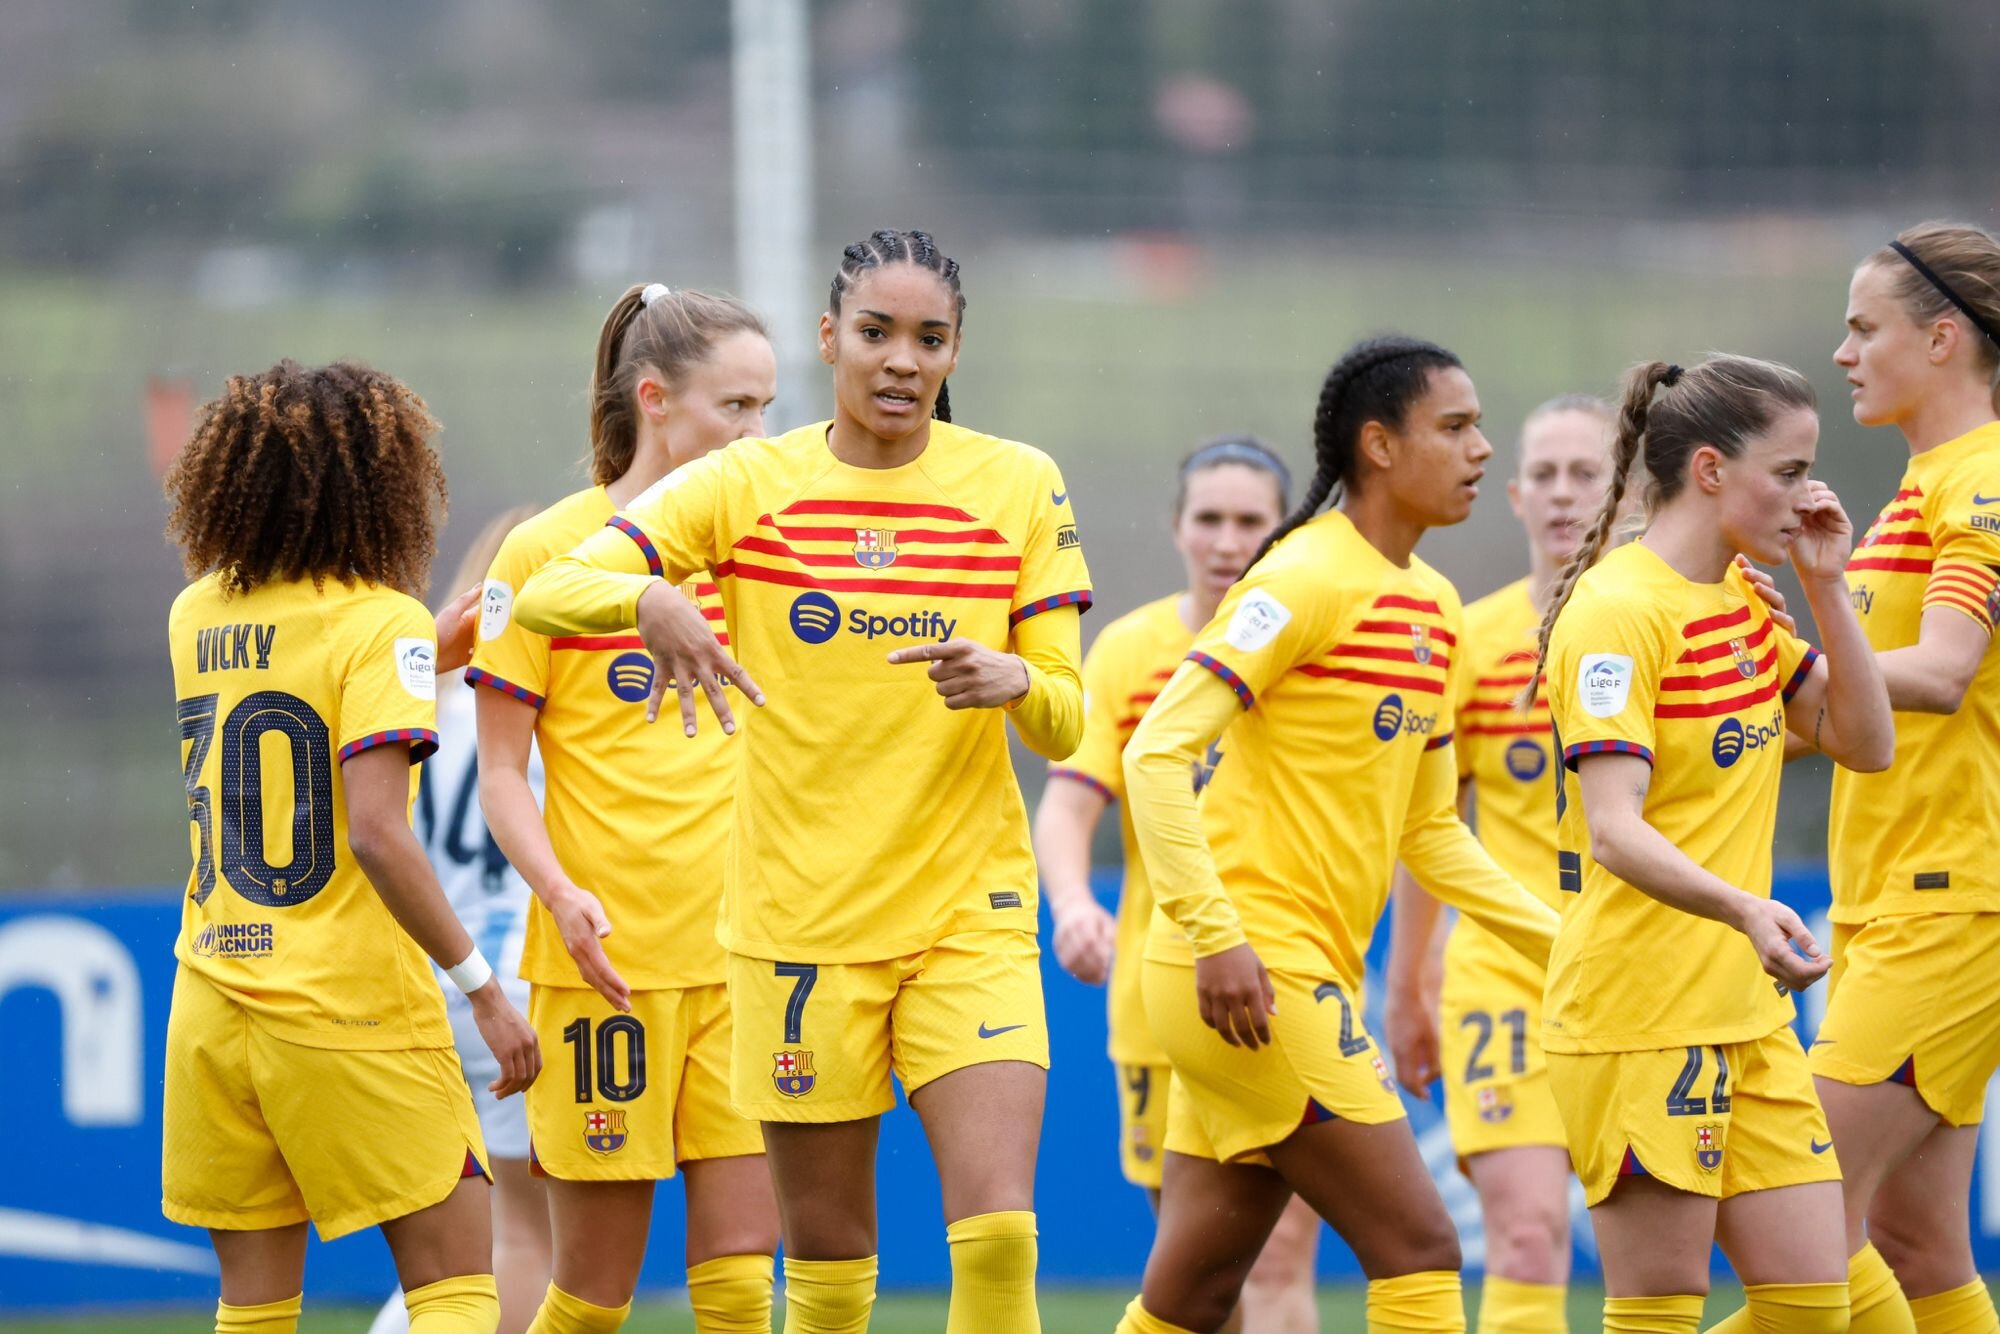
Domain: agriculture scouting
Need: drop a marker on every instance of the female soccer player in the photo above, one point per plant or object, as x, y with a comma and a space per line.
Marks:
1232, 494
1912, 1028
1503, 1117
1682, 1088
490, 900
1328, 664
880, 891
625, 855
309, 1065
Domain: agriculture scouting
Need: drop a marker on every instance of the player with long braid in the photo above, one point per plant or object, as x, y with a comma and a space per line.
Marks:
1232, 494
902, 585
1325, 674
1483, 1025
1689, 1112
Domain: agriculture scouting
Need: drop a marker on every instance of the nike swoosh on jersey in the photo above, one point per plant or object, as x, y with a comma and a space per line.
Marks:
1818, 1147
986, 1032
1058, 497
1978, 499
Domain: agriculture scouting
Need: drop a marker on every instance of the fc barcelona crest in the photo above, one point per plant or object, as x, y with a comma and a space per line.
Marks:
1495, 1105
874, 548
604, 1132
792, 1072
1420, 644
1708, 1145
1746, 666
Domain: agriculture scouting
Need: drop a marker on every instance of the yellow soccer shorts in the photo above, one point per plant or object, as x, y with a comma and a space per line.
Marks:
1142, 1120
1496, 1083
264, 1133
627, 1097
1915, 999
1717, 1120
1230, 1103
818, 1042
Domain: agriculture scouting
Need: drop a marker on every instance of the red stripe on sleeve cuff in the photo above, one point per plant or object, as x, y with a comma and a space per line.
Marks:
1571, 754
1079, 776
476, 677
1080, 599
423, 743
1229, 678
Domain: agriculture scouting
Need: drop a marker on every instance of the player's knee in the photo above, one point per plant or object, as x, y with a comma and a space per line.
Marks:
1529, 1246
1927, 1253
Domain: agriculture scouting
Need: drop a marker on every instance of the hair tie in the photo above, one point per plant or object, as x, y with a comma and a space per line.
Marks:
1672, 377
653, 292
1944, 287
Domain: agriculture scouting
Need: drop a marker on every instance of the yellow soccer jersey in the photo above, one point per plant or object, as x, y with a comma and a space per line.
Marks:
1340, 761
1506, 753
1919, 837
870, 820
638, 813
1693, 678
1122, 674
276, 687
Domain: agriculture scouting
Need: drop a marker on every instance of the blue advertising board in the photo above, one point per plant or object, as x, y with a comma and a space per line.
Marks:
85, 983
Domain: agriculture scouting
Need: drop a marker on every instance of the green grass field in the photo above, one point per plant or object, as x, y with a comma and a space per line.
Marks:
1064, 1311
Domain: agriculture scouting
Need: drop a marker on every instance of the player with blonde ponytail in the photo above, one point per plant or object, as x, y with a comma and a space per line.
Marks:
1690, 1115
625, 857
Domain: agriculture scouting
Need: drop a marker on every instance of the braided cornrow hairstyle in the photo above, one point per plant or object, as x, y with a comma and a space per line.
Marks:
1375, 380
891, 247
1722, 403
323, 473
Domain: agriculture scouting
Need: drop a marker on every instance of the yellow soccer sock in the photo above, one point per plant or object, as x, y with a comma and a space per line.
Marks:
563, 1313
1680, 1314
1428, 1302
468, 1304
1509, 1306
1963, 1310
993, 1274
270, 1318
1791, 1308
829, 1296
731, 1294
1876, 1304
1138, 1321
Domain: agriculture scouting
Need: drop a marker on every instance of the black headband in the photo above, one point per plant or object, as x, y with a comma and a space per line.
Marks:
1964, 306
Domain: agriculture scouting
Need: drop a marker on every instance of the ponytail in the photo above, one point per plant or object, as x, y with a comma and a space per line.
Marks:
1721, 404
651, 327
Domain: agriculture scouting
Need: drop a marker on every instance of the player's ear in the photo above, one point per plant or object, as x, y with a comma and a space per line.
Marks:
1374, 447
651, 391
1705, 469
826, 337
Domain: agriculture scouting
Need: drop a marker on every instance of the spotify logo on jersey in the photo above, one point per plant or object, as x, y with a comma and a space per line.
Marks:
815, 617
1388, 717
631, 677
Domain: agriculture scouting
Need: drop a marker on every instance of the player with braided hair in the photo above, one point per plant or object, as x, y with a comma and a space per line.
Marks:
1324, 674
904, 586
1689, 1112
625, 855
1478, 1016
310, 1072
